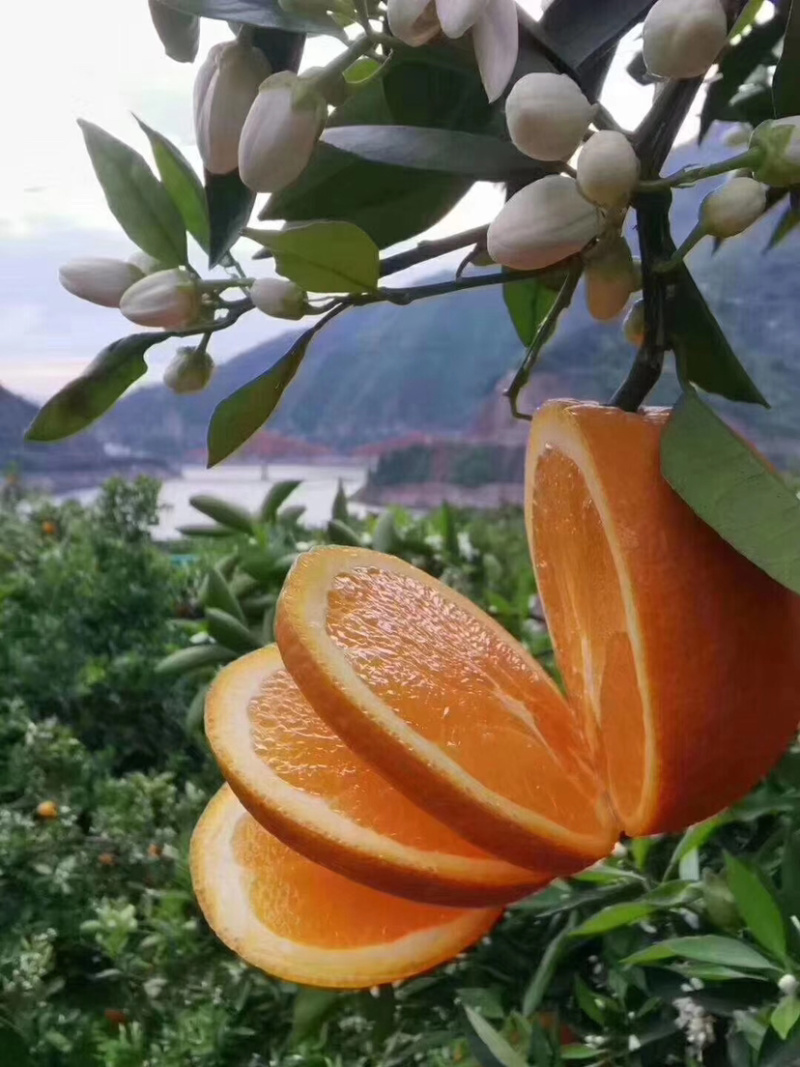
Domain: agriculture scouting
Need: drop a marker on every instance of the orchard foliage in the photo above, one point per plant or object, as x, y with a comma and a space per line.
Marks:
673, 950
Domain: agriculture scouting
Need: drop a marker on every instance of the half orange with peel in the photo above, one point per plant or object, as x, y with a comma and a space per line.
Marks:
301, 782
681, 657
446, 705
306, 924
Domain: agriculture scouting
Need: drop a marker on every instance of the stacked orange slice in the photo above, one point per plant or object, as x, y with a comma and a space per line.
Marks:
399, 766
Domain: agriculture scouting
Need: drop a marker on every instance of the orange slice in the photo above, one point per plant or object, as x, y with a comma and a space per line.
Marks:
681, 657
445, 705
305, 924
302, 783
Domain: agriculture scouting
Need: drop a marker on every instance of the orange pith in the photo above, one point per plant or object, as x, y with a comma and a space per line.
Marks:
296, 776
681, 657
304, 923
445, 704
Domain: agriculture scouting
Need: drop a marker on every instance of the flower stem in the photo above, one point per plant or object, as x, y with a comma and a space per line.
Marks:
689, 175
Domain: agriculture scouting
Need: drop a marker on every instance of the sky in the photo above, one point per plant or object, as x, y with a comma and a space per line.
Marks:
102, 61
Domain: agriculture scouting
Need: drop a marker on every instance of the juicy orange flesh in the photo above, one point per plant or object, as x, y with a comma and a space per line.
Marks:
459, 685
308, 904
578, 582
299, 747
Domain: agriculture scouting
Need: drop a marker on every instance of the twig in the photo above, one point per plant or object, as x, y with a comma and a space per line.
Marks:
543, 335
426, 250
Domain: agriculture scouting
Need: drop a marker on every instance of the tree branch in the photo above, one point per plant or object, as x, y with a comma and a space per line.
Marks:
426, 250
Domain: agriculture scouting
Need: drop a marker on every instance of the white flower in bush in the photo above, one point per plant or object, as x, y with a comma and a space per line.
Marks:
733, 207
682, 38
611, 278
608, 169
542, 224
224, 90
280, 132
279, 298
169, 299
547, 116
780, 141
189, 370
98, 279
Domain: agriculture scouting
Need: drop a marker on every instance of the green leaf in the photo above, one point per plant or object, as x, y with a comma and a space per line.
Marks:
581, 32
488, 1047
229, 632
701, 347
385, 537
86, 398
543, 975
179, 32
196, 710
339, 533
731, 488
785, 1016
182, 184
311, 1009
240, 415
205, 531
230, 205
137, 199
528, 303
266, 13
472, 155
708, 948
671, 894
192, 659
237, 518
790, 873
590, 1003
757, 905
784, 1055
339, 509
447, 522
788, 223
276, 496
694, 838
323, 257
785, 83
612, 917
218, 594
292, 514
735, 68
571, 1053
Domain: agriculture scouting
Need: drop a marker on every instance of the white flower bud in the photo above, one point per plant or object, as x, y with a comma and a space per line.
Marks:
788, 985
99, 280
280, 132
413, 22
189, 370
169, 299
634, 325
733, 207
608, 169
682, 38
619, 851
780, 141
543, 224
224, 90
610, 278
279, 298
547, 116
145, 263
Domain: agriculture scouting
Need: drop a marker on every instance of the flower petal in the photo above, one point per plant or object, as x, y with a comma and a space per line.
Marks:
496, 40
414, 22
457, 16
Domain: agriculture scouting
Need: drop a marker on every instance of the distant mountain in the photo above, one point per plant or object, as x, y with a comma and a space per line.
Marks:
74, 463
385, 372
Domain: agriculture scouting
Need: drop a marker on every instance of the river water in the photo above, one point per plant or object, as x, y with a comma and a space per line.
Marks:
247, 485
